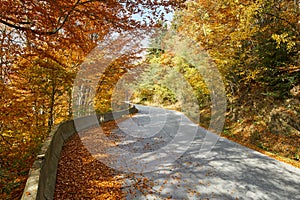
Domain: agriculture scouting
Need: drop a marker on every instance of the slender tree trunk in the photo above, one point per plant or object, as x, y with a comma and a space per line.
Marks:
51, 112
52, 102
70, 113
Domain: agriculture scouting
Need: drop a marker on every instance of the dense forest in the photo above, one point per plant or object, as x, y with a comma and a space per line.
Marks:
254, 45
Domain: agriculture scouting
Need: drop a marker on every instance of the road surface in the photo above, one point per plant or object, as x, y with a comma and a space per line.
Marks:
162, 148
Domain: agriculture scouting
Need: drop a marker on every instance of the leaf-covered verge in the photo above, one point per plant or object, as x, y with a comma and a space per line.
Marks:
81, 176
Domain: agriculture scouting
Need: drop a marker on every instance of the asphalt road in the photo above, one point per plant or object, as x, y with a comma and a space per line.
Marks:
162, 147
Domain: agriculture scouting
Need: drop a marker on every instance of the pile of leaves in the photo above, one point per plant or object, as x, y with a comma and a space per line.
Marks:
82, 176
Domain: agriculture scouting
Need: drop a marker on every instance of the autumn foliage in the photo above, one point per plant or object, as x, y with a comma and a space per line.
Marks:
42, 45
255, 45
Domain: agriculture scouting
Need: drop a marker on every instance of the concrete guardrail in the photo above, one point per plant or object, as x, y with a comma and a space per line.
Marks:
40, 184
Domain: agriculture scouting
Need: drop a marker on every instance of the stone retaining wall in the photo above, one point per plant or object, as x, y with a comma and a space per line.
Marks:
42, 176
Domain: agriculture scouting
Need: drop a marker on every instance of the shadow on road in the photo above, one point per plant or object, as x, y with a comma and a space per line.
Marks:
159, 151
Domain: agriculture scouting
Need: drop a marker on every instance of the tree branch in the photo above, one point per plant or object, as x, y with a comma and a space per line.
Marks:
54, 31
282, 19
